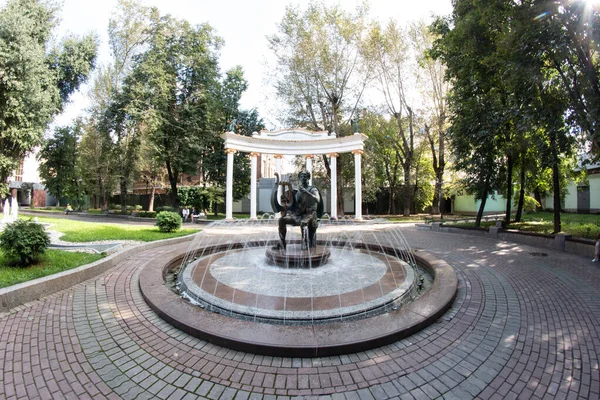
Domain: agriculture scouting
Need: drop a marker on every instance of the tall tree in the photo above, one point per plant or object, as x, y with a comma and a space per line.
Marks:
58, 160
128, 31
388, 49
318, 73
36, 79
173, 90
435, 88
383, 150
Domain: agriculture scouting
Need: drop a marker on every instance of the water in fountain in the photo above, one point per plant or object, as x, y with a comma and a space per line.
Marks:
371, 270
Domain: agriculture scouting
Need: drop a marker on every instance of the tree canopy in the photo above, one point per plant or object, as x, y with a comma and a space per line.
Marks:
36, 79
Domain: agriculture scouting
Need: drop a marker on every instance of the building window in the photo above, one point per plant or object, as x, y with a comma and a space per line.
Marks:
19, 172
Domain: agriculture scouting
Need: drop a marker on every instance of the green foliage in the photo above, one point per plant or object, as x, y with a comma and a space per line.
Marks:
530, 204
168, 221
147, 214
173, 93
202, 198
24, 241
35, 78
52, 262
57, 160
165, 208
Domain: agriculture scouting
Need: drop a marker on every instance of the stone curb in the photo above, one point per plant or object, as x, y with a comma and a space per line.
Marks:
21, 293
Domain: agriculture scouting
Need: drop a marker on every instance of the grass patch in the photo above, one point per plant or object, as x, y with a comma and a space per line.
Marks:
51, 262
83, 231
402, 218
586, 226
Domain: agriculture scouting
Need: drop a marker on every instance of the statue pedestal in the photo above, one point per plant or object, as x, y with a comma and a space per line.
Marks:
295, 257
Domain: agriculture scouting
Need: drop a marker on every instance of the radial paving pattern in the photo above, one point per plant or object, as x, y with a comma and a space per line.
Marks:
522, 325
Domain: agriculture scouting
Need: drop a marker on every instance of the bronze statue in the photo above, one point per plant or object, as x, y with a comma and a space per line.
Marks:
299, 207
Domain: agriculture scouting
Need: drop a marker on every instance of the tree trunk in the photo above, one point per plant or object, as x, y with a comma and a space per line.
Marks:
392, 201
521, 193
556, 189
437, 195
407, 191
151, 200
173, 182
555, 183
123, 187
483, 196
538, 197
509, 172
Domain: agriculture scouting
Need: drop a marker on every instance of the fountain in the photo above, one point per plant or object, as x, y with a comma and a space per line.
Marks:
247, 285
11, 211
251, 285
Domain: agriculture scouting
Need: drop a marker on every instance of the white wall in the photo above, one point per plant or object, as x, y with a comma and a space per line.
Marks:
466, 204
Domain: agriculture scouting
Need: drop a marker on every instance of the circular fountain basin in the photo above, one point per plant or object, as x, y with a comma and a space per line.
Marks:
330, 337
239, 283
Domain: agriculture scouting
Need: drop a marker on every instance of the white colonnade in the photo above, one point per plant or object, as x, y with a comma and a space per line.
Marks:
294, 142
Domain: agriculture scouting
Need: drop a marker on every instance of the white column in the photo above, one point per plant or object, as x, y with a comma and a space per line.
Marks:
253, 175
278, 164
309, 165
229, 186
333, 167
357, 184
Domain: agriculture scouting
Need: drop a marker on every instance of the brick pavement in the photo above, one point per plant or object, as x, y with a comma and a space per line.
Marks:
522, 326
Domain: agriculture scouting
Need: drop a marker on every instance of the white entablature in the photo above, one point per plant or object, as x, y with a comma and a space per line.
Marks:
293, 142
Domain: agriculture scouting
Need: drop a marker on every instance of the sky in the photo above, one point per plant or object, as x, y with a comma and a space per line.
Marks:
244, 26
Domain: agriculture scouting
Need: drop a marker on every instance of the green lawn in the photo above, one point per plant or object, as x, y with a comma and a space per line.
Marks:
83, 231
51, 262
54, 261
585, 226
401, 218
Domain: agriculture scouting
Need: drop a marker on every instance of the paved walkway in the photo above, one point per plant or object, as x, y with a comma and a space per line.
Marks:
524, 325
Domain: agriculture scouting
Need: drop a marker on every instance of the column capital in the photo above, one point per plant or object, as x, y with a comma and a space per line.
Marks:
254, 154
357, 152
230, 151
278, 156
333, 154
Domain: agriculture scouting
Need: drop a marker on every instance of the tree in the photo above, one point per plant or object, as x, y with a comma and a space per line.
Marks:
213, 163
434, 88
383, 151
58, 160
96, 163
173, 91
34, 84
128, 32
388, 50
318, 74
482, 104
500, 58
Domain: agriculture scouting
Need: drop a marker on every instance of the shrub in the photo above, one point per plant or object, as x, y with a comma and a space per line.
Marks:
168, 221
24, 241
165, 208
147, 214
137, 207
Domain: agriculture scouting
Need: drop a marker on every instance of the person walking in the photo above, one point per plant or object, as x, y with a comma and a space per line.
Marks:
597, 250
